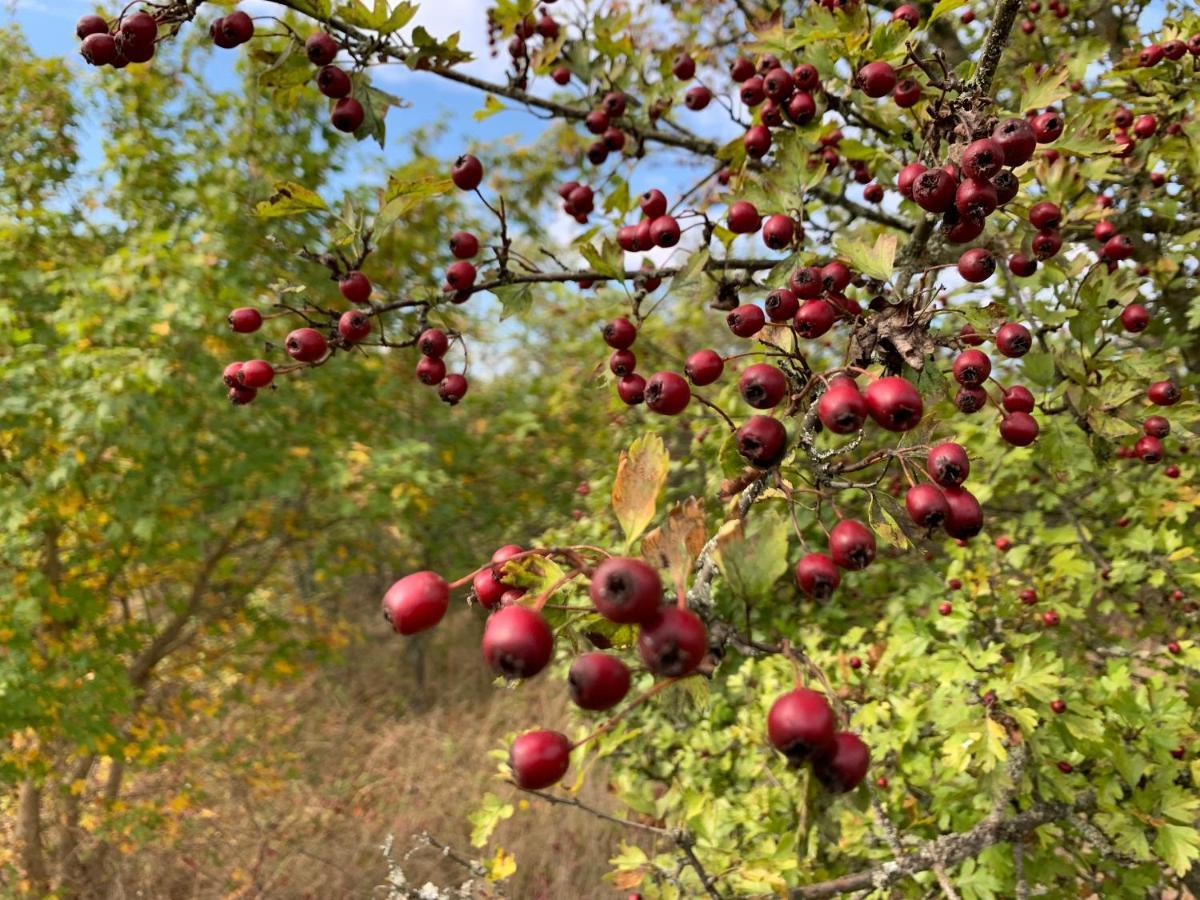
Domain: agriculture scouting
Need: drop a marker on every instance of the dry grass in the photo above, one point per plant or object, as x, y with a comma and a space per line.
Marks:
371, 752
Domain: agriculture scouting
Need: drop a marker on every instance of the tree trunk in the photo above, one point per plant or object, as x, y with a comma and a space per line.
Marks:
30, 852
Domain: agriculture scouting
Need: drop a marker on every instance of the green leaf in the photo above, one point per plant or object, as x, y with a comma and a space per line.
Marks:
876, 261
1041, 90
403, 196
753, 556
491, 106
486, 817
641, 474
1178, 846
515, 299
944, 7
318, 9
380, 17
290, 199
607, 259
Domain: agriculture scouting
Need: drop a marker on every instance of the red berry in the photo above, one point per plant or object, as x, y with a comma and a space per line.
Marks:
452, 389
1050, 618
778, 231
626, 590
982, 159
320, 48
697, 98
851, 544
488, 590
460, 276
876, 79
704, 367
90, 24
230, 374
762, 441
517, 642
970, 399
632, 389
416, 602
539, 759
1021, 265
684, 67
972, 368
907, 14
353, 326
245, 320
806, 77
1148, 449
746, 320
467, 173
347, 115
1046, 243
99, 49
464, 245
664, 231
934, 190
757, 141
842, 770
240, 395
1028, 596
305, 345
945, 608
1163, 393
433, 342
814, 319
763, 386
966, 515
1017, 139
237, 27
817, 575
741, 69
835, 277
1135, 318
1013, 340
1156, 426
1019, 429
674, 643
256, 373
800, 725
622, 362
667, 393
975, 197
743, 218
976, 265
926, 506
752, 92
430, 370
1047, 127
894, 403
1119, 247
842, 409
781, 305
598, 681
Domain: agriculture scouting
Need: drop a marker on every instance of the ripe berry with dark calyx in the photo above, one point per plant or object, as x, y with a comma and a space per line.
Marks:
926, 506
697, 98
598, 681
835, 277
452, 389
1047, 127
1045, 215
561, 75
966, 515
353, 326
746, 320
800, 725
238, 27
229, 377
814, 319
1119, 247
99, 49
781, 305
619, 333
1019, 429
976, 265
539, 759
667, 393
1021, 265
1018, 399
433, 343
873, 193
626, 590
894, 403
347, 115
622, 362
975, 197
970, 399
1050, 618
333, 82
240, 395
842, 409
355, 287
1013, 340
1135, 318
1148, 449
806, 77
547, 27
763, 386
982, 159
1174, 50
806, 284
844, 769
245, 320
305, 345
1065, 767
517, 642
934, 190
778, 231
216, 31
948, 464
1017, 139
256, 373
1104, 230
960, 229
320, 48
704, 367
752, 92
430, 370
416, 602
945, 608
741, 69
1028, 596
972, 368
757, 141
762, 441
464, 245
138, 30
1046, 243
1150, 56
1163, 393
614, 104
664, 231
653, 204
632, 389
1156, 426
674, 643
467, 173
851, 544
1006, 186
876, 79
597, 153
684, 67
778, 85
800, 107
817, 576
908, 14
596, 121
460, 276
743, 218
907, 93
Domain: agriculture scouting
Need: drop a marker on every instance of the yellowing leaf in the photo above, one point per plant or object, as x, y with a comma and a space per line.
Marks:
678, 542
162, 329
502, 865
289, 199
641, 473
491, 106
876, 261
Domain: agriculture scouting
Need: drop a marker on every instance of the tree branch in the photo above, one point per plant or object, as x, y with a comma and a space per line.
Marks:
993, 46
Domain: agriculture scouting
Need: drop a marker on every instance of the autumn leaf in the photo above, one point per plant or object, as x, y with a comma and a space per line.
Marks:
641, 474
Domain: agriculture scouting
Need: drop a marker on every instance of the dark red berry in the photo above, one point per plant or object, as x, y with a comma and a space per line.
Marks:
598, 681
467, 173
517, 642
320, 48
539, 759
762, 441
704, 367
674, 643
894, 403
800, 725
416, 602
844, 768
763, 386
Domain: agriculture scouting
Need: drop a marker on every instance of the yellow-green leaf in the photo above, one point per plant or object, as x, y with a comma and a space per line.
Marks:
290, 199
641, 474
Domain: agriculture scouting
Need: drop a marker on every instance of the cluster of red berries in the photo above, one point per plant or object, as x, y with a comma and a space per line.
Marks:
802, 726
972, 368
518, 45
347, 113
1172, 51
131, 39
1057, 7
519, 643
1149, 447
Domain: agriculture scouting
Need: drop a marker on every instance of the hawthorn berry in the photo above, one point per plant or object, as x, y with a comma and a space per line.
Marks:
237, 27
817, 575
778, 231
240, 395
464, 245
1135, 318
835, 277
433, 342
626, 590
416, 602
1017, 140
972, 368
320, 48
674, 643
906, 177
806, 77
801, 725
517, 642
757, 141
99, 49
926, 506
353, 326
948, 464
970, 399
746, 320
632, 389
561, 75
1050, 618
842, 409
684, 67
430, 370
965, 519
842, 770
976, 265
256, 373
1019, 429
876, 79
467, 174
851, 544
1148, 449
762, 385
1163, 393
90, 24
245, 320
801, 108
539, 759
781, 305
762, 441
1156, 426
598, 681
460, 276
667, 393
664, 231
743, 218
934, 190
306, 345
452, 389
1047, 127
1013, 339
982, 159
697, 98
894, 403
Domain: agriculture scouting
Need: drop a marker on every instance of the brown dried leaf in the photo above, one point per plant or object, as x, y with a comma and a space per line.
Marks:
676, 545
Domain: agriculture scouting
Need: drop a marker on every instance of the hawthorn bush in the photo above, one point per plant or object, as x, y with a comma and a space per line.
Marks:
890, 591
